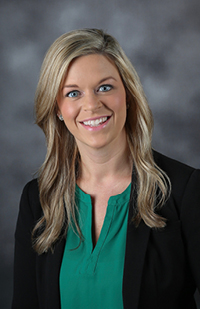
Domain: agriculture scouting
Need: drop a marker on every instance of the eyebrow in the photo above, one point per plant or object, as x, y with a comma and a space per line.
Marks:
104, 79
101, 81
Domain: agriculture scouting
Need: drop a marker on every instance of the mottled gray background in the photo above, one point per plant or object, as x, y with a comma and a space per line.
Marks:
162, 39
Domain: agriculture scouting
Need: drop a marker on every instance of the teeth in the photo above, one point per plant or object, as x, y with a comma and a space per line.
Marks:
95, 123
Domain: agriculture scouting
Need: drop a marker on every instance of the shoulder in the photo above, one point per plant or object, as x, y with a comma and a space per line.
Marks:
174, 169
181, 175
30, 207
31, 189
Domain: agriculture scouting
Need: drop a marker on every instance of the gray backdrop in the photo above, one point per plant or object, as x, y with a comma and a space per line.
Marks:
162, 39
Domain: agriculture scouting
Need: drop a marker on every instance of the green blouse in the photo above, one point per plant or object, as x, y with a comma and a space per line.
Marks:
92, 277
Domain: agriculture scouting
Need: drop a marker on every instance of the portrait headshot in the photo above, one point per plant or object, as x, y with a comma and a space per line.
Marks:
100, 165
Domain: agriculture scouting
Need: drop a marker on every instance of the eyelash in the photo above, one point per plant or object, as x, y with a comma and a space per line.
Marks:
98, 90
107, 85
73, 91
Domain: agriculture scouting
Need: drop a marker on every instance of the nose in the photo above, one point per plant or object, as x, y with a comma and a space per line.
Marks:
91, 102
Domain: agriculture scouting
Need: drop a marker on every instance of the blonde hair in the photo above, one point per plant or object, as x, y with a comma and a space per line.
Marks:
58, 174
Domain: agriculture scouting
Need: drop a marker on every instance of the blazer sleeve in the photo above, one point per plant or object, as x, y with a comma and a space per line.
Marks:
25, 291
190, 219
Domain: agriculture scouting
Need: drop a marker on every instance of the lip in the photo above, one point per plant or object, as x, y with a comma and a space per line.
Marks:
99, 127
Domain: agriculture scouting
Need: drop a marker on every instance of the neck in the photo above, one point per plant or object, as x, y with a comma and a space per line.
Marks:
99, 165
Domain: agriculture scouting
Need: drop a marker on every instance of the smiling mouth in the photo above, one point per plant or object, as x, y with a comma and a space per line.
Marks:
96, 122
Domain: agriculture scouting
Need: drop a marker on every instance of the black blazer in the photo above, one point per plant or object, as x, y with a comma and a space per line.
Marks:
161, 269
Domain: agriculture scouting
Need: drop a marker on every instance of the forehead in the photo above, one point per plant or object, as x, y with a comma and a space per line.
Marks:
91, 66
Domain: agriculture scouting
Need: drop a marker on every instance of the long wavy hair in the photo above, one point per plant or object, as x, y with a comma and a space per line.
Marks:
57, 176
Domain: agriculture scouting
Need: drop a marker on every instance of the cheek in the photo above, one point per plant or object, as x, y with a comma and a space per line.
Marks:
120, 104
69, 112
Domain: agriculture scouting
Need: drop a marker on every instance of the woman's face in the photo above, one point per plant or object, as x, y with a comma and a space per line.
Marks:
92, 102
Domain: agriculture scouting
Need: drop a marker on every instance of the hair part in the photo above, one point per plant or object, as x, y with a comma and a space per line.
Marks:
58, 174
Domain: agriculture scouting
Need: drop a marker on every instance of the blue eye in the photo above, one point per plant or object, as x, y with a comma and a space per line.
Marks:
73, 94
105, 88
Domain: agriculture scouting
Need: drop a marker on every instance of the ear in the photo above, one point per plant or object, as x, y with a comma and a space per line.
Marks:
60, 117
58, 112
128, 96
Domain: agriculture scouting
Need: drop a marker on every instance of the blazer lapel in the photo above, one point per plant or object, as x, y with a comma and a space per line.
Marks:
48, 270
136, 245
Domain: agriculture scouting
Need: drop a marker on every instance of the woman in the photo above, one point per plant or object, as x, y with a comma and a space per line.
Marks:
109, 223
